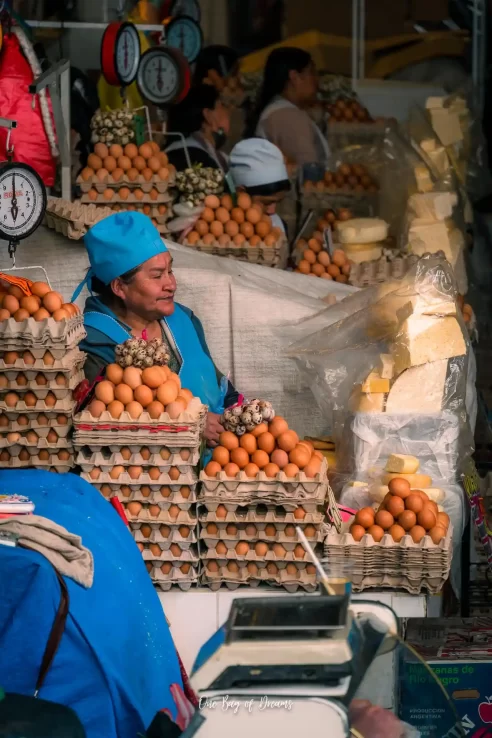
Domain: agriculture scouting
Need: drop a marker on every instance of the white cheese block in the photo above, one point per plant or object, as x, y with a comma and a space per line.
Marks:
435, 494
423, 178
372, 253
434, 102
362, 230
419, 390
416, 481
446, 124
375, 383
428, 145
355, 483
377, 492
419, 305
440, 160
386, 366
433, 205
363, 403
423, 339
429, 237
402, 464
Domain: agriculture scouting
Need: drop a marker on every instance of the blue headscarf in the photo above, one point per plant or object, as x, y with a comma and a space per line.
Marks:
118, 244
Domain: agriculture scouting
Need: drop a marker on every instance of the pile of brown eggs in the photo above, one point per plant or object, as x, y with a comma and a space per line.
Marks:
240, 225
404, 511
349, 111
154, 390
270, 449
42, 304
348, 178
126, 164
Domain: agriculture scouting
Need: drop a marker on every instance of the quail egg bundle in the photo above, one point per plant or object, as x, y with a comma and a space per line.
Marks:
112, 127
195, 183
141, 353
245, 418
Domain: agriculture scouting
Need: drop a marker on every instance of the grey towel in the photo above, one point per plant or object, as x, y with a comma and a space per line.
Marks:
62, 548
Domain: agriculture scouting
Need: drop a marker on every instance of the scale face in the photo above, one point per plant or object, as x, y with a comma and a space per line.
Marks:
190, 8
120, 53
185, 34
159, 76
22, 201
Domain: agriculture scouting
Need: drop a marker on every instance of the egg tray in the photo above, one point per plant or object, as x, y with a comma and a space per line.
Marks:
162, 198
174, 537
289, 542
107, 461
165, 543
42, 430
42, 390
155, 498
146, 185
65, 227
42, 444
262, 254
247, 515
189, 421
367, 544
65, 407
185, 517
32, 332
189, 478
432, 585
164, 505
327, 199
69, 362
81, 216
232, 506
233, 580
231, 555
154, 213
165, 582
37, 463
381, 270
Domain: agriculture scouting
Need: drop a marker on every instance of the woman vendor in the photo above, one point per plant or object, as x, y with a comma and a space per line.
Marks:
290, 86
257, 166
134, 285
204, 122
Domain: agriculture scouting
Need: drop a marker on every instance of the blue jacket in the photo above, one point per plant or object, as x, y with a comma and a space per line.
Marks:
198, 372
116, 662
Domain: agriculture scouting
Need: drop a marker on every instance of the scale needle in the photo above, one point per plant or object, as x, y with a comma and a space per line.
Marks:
14, 209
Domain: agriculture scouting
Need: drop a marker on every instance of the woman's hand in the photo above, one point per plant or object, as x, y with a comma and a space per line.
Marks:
372, 721
213, 429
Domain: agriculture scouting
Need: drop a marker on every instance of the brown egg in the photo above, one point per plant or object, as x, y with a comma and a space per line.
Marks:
33, 438
242, 548
52, 301
229, 440
399, 487
248, 443
212, 566
145, 491
134, 508
299, 552
175, 409
300, 456
260, 459
11, 399
221, 455
240, 457
279, 551
155, 409
288, 441
48, 358
31, 304
266, 442
4, 315
395, 505
123, 393
115, 409
243, 201
11, 304
221, 548
261, 549
414, 503
443, 520
427, 518
407, 519
357, 532
365, 517
23, 420
231, 470
30, 399
165, 531
271, 470
396, 532
259, 430
96, 408
174, 473
278, 426
20, 379
132, 377
173, 512
272, 569
291, 470
251, 471
222, 215
376, 532
212, 201
384, 519
239, 240
95, 473
104, 392
221, 512
24, 455
212, 469
60, 419
417, 533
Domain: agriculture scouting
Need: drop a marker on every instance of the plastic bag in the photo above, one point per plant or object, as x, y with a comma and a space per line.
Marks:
186, 219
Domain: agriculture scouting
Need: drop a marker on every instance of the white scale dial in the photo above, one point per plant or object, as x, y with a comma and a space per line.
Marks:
22, 201
127, 54
186, 35
158, 76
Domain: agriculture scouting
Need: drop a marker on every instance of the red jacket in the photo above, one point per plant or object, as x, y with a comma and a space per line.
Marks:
31, 145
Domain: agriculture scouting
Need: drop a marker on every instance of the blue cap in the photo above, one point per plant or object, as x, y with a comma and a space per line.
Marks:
120, 243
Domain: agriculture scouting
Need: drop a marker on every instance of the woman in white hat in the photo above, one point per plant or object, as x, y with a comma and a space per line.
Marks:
257, 167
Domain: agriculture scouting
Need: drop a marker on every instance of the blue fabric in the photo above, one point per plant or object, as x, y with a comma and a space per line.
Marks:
117, 660
209, 649
197, 371
120, 243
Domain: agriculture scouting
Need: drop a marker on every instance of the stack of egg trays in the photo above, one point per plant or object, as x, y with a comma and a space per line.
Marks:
26, 431
163, 485
280, 501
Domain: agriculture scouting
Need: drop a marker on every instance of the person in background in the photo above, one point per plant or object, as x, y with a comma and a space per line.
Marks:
215, 65
290, 86
257, 167
204, 122
131, 274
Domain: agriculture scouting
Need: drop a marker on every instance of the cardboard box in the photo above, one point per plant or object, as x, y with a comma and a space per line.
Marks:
459, 652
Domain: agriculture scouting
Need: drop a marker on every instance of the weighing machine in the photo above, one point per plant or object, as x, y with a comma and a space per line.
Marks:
282, 664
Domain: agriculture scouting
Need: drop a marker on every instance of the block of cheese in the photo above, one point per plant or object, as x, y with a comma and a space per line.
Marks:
386, 366
375, 383
363, 403
434, 102
419, 390
429, 237
362, 230
402, 464
446, 124
440, 160
358, 256
420, 305
428, 145
433, 205
416, 481
435, 494
423, 178
377, 492
423, 339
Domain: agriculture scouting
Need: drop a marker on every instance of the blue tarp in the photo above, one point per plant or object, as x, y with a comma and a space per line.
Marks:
117, 660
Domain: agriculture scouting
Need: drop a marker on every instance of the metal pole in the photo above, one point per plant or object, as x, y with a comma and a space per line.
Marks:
355, 42
66, 178
362, 39
76, 25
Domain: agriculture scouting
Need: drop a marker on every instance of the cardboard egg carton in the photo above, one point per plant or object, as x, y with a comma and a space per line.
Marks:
15, 447
66, 406
276, 515
69, 362
41, 333
32, 423
368, 545
261, 254
185, 517
146, 185
88, 459
162, 197
59, 391
270, 556
233, 580
232, 506
34, 461
175, 578
156, 496
188, 424
164, 506
414, 586
189, 478
210, 539
161, 218
300, 486
165, 544
381, 270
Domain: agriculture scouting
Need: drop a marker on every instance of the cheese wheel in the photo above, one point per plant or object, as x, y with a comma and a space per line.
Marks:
416, 481
402, 464
372, 253
362, 230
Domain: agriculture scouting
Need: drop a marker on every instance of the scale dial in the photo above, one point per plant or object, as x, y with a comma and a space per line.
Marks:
190, 8
184, 33
159, 76
22, 201
120, 54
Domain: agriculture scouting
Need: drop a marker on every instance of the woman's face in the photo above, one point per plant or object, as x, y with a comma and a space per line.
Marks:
269, 202
150, 294
217, 118
306, 84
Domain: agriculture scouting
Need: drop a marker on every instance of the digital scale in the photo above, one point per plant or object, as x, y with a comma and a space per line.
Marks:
120, 54
282, 664
164, 76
